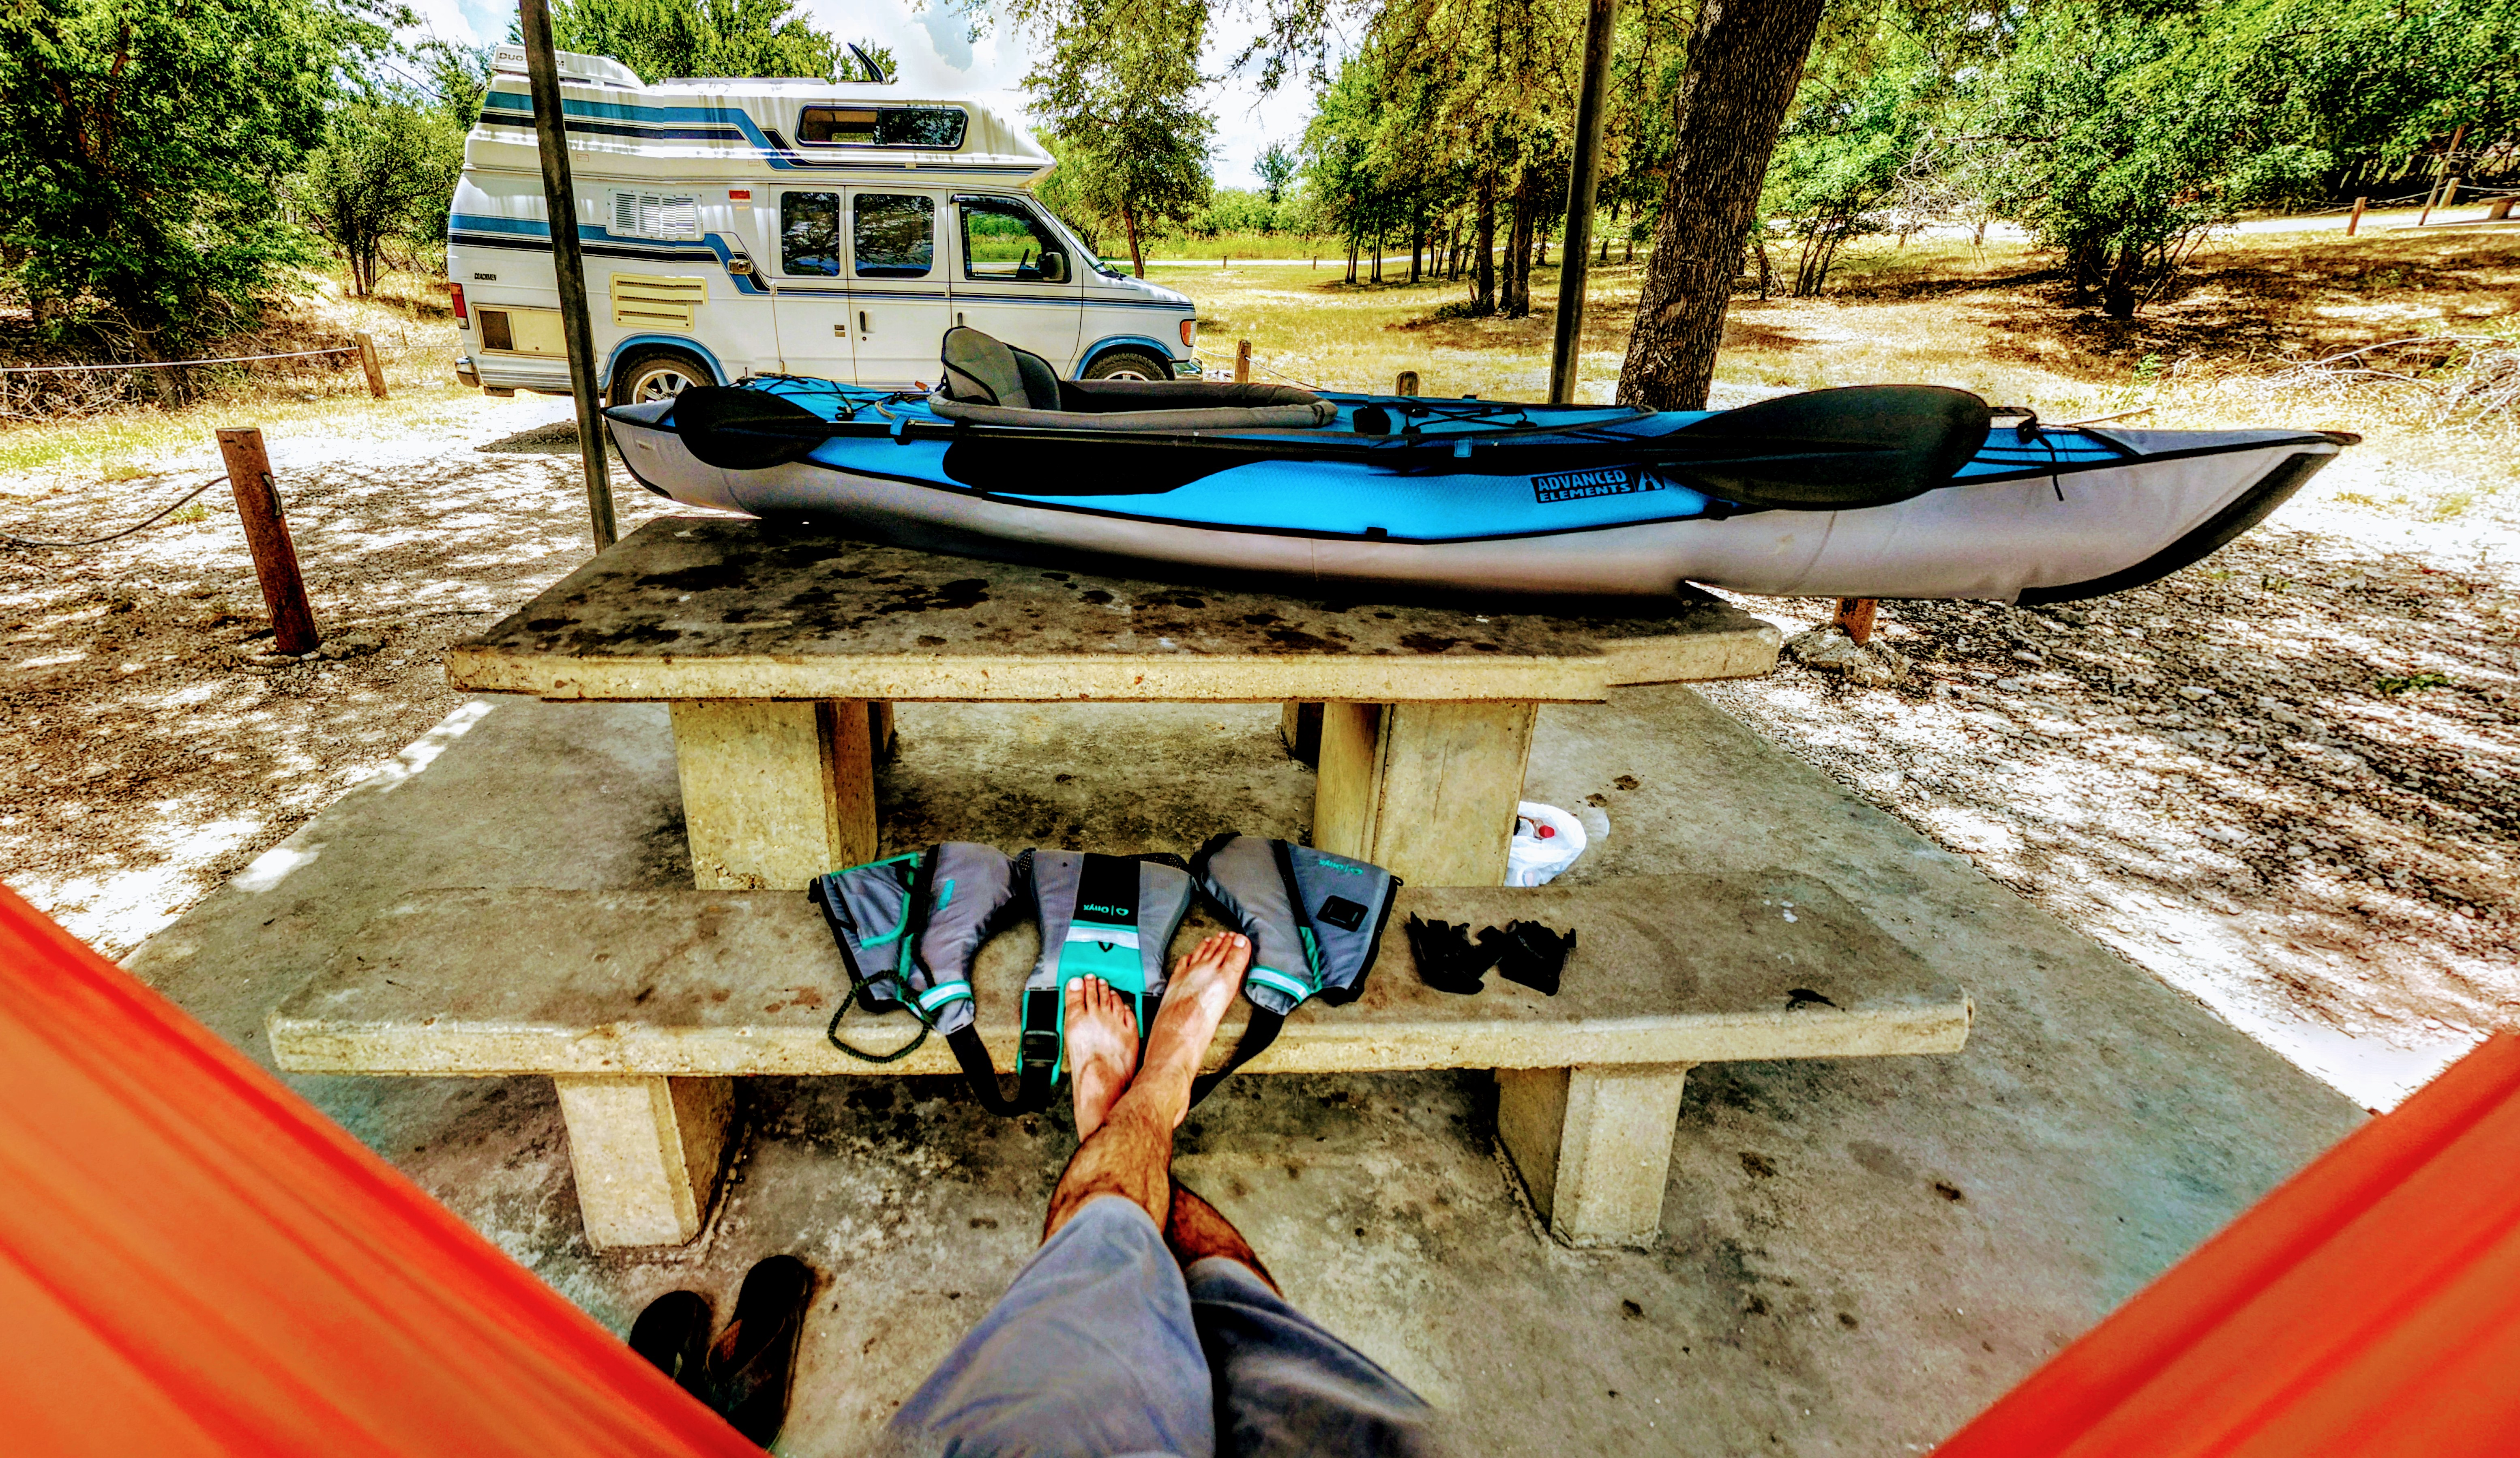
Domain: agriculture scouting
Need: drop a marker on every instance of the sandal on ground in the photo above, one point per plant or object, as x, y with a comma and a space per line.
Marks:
754, 1362
673, 1334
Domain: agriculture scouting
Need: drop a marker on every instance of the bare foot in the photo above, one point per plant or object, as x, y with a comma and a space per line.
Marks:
1202, 986
1102, 1043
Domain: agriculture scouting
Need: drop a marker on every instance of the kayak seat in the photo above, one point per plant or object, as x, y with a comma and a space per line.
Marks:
988, 381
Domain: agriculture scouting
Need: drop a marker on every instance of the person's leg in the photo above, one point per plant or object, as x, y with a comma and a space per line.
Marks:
1092, 1350
1130, 1152
1283, 1385
1197, 1230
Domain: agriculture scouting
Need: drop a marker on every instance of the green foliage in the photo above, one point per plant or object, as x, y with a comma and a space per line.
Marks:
1233, 210
1277, 168
142, 149
664, 38
2130, 137
454, 78
1858, 128
1116, 83
384, 172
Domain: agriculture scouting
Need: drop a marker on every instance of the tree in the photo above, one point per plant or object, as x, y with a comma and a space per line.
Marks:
142, 145
1860, 120
664, 38
2125, 139
1118, 82
1743, 65
384, 171
1277, 168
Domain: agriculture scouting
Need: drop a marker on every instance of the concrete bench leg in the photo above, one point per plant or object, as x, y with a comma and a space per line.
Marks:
1426, 791
1594, 1146
647, 1152
775, 792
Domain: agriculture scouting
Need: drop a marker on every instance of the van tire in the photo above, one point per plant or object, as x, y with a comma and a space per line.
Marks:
1128, 364
655, 375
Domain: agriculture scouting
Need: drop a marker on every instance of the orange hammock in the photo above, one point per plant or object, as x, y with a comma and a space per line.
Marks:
192, 1260
2370, 1306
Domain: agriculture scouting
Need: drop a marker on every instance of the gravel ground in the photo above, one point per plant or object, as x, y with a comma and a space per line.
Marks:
2284, 780
2287, 780
151, 745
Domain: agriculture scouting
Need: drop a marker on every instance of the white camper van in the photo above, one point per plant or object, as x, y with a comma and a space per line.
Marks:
756, 227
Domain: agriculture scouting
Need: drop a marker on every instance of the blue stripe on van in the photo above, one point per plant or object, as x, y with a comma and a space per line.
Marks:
697, 123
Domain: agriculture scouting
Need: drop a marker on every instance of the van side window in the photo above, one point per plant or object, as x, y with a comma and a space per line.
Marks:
1003, 239
809, 233
895, 235
933, 128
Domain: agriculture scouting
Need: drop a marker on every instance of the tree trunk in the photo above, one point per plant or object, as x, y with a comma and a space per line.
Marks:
1129, 221
1743, 65
1416, 237
1483, 295
1517, 253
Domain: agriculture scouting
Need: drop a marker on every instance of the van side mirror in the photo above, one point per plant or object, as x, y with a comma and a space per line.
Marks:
1053, 268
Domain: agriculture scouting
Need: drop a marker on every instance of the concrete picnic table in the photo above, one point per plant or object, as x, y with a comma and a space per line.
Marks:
780, 651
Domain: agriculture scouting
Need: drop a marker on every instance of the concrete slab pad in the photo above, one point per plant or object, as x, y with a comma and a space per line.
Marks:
1857, 1254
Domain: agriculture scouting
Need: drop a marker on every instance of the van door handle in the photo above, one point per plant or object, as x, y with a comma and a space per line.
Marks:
862, 324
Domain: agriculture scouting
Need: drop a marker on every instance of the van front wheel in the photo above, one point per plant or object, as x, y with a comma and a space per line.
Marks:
1126, 364
658, 377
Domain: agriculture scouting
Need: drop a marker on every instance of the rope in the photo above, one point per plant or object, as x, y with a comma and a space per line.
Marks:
98, 541
1256, 363
161, 364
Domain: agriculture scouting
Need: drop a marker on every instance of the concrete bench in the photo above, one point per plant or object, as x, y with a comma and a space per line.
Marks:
779, 651
642, 1006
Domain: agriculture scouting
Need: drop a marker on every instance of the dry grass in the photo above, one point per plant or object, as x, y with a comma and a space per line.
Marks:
415, 333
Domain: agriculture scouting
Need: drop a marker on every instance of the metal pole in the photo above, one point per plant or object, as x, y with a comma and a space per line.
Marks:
1600, 27
559, 199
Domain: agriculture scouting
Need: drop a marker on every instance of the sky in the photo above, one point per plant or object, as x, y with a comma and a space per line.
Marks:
938, 60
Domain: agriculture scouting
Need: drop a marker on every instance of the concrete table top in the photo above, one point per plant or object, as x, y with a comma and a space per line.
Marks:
706, 608
1673, 969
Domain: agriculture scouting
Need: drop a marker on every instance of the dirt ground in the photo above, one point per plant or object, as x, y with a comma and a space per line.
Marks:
2287, 780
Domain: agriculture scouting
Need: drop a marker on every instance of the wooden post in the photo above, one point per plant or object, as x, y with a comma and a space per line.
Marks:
1854, 614
374, 366
568, 265
266, 532
1242, 361
2355, 221
1601, 28
1406, 384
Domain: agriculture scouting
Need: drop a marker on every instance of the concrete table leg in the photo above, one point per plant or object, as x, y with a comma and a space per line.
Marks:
1426, 791
1594, 1146
880, 730
647, 1152
775, 792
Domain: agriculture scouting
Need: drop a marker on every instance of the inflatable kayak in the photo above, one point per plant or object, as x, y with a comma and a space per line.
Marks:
1891, 491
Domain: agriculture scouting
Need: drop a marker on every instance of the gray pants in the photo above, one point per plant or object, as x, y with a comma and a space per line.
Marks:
1104, 1348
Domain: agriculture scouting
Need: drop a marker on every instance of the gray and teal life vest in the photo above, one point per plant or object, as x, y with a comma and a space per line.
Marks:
911, 927
1314, 919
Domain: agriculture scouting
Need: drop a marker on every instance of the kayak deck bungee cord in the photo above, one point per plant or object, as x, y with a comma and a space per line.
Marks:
1897, 491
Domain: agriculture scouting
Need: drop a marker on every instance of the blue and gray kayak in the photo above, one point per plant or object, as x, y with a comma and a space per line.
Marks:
1890, 492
